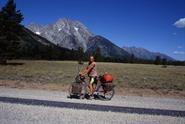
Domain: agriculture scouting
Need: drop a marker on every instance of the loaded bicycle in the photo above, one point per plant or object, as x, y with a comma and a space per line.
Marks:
103, 87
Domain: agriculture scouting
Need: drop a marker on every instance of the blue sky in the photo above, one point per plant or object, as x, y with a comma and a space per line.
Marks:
142, 23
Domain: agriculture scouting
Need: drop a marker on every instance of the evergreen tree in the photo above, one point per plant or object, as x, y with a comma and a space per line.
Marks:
157, 60
132, 58
97, 55
80, 55
10, 20
164, 63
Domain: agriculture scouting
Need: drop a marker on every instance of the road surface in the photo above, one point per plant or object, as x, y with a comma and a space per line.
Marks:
18, 106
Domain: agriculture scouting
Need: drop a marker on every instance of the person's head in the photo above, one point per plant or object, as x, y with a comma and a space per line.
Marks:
91, 59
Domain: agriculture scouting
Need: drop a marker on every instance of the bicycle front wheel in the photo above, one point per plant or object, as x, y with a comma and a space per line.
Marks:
105, 95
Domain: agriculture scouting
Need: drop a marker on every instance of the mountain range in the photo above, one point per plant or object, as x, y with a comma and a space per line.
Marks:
142, 53
72, 34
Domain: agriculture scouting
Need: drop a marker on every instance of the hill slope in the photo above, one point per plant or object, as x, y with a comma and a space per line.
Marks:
108, 49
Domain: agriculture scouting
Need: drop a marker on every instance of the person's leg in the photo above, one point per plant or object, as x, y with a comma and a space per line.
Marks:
91, 85
95, 84
94, 87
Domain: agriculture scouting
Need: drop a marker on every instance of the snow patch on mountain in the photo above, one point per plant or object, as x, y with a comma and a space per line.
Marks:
76, 28
37, 32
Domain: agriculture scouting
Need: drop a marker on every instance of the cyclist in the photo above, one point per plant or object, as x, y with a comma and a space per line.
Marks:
92, 73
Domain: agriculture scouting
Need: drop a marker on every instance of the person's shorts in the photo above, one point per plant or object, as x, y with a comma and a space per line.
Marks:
93, 80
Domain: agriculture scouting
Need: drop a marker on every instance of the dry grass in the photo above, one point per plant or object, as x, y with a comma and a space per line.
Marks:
146, 76
62, 73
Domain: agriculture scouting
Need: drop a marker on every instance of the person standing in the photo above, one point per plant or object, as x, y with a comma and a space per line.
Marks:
92, 73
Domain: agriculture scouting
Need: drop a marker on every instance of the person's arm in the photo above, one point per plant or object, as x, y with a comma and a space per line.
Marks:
88, 69
83, 72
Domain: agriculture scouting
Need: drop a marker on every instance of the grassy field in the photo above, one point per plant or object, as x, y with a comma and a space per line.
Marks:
58, 74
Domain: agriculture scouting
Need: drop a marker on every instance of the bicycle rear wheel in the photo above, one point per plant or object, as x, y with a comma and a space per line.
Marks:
74, 92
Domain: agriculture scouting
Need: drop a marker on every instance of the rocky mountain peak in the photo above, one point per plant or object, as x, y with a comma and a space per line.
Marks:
66, 33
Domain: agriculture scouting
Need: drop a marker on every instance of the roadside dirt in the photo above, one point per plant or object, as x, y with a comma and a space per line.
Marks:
119, 91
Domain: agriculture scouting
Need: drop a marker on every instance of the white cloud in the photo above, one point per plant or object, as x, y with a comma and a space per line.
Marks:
179, 47
179, 52
180, 23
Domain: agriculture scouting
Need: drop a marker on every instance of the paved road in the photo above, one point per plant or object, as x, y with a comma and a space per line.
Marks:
37, 106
